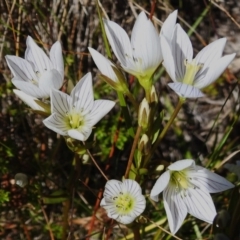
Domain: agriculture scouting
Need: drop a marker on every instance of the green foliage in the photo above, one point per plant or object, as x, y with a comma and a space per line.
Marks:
4, 196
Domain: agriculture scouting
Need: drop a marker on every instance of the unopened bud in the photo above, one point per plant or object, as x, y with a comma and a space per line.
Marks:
143, 114
143, 145
153, 96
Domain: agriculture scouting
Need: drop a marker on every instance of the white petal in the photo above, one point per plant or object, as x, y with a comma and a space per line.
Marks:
56, 123
181, 51
131, 186
21, 69
140, 205
50, 80
119, 41
126, 219
168, 62
103, 203
99, 110
60, 103
143, 34
37, 56
82, 94
199, 204
214, 71
112, 188
185, 90
181, 164
209, 55
57, 58
160, 185
209, 181
168, 26
175, 208
29, 88
29, 100
103, 64
80, 135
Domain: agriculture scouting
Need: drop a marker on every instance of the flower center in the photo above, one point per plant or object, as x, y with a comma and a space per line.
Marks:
124, 203
180, 180
191, 70
75, 120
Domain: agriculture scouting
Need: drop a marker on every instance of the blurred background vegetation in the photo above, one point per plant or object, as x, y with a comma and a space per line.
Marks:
206, 130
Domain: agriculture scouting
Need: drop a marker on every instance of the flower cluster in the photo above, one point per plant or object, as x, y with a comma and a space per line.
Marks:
186, 187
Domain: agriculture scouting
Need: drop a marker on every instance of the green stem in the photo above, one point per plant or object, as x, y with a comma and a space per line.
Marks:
132, 100
126, 114
130, 160
164, 131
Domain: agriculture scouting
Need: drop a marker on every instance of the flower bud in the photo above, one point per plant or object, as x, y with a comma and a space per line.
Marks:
143, 145
153, 95
143, 114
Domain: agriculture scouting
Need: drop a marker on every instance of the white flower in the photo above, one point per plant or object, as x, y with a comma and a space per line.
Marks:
75, 115
32, 102
186, 189
123, 201
140, 56
190, 75
37, 74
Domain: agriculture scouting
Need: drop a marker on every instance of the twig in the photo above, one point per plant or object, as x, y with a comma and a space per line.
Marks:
225, 11
95, 163
130, 160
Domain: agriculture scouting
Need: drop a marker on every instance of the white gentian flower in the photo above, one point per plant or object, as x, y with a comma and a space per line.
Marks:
75, 115
123, 201
188, 74
186, 189
37, 74
142, 55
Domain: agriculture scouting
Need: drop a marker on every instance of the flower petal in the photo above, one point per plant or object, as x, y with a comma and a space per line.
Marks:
214, 71
37, 56
181, 164
131, 186
126, 219
185, 90
57, 58
209, 54
181, 51
160, 185
21, 69
82, 94
168, 62
56, 123
209, 181
29, 100
175, 208
103, 64
99, 110
29, 88
60, 103
112, 188
168, 26
81, 135
143, 34
50, 80
119, 42
199, 204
